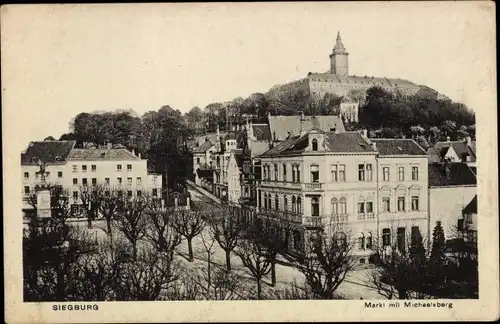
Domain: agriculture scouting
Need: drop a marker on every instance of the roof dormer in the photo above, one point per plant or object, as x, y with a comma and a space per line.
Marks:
316, 140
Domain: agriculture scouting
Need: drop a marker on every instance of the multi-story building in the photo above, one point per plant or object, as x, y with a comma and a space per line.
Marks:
467, 223
454, 151
75, 168
223, 150
202, 163
321, 179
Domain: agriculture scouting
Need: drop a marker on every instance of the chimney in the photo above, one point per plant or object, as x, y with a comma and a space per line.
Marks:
468, 141
365, 133
447, 138
133, 151
374, 145
139, 155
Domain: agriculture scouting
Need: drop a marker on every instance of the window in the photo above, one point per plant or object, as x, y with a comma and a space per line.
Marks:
298, 173
84, 181
129, 181
299, 205
269, 172
155, 192
276, 202
154, 180
334, 173
314, 143
386, 237
75, 168
93, 167
369, 242
198, 161
26, 189
343, 206
129, 167
276, 173
401, 174
106, 181
265, 172
139, 181
342, 172
361, 172
139, 193
361, 208
362, 242
284, 172
59, 174
129, 193
414, 173
293, 173
294, 206
368, 172
26, 175
335, 206
285, 203
401, 239
401, 203
369, 207
415, 235
75, 195
386, 204
119, 180
314, 206
414, 203
314, 173
75, 181
94, 181
118, 167
385, 172
84, 168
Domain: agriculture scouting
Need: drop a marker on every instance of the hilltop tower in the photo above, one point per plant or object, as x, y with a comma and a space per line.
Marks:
339, 62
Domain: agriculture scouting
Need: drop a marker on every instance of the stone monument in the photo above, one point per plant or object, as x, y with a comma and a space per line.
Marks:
42, 194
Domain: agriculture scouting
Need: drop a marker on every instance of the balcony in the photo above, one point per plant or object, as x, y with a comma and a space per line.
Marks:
247, 201
281, 184
281, 215
314, 221
312, 186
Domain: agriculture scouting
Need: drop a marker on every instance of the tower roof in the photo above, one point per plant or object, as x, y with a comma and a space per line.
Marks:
339, 47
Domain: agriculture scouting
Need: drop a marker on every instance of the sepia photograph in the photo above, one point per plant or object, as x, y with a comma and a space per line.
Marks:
334, 154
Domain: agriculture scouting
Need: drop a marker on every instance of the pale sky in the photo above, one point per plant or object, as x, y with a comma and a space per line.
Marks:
60, 60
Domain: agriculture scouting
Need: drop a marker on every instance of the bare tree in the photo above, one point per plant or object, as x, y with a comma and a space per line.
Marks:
131, 220
189, 224
109, 207
328, 259
294, 292
91, 197
160, 229
255, 257
185, 288
225, 228
148, 277
59, 203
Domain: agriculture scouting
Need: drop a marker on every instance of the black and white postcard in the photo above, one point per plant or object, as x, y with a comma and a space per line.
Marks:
213, 162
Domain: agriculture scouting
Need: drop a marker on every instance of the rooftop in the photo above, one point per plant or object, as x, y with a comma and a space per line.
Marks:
102, 154
460, 147
347, 142
47, 151
471, 208
369, 80
398, 146
281, 126
450, 174
203, 147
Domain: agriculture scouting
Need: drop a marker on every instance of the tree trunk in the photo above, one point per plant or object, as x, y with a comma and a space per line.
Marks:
209, 277
89, 221
402, 293
134, 247
110, 234
273, 273
259, 290
228, 260
190, 249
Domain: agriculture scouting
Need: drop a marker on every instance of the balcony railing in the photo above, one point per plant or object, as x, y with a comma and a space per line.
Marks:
312, 186
297, 185
314, 221
282, 215
247, 201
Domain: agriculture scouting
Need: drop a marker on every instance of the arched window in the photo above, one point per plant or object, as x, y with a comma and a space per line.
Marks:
294, 206
276, 202
369, 242
315, 206
314, 143
335, 206
343, 206
362, 241
285, 203
218, 161
299, 205
298, 173
265, 201
284, 172
276, 173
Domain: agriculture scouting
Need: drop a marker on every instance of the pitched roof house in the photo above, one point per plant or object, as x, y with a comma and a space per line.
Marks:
49, 152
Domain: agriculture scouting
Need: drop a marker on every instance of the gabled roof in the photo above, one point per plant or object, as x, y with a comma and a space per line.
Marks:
368, 80
203, 147
102, 154
434, 155
280, 126
460, 147
459, 174
398, 146
471, 208
47, 151
347, 142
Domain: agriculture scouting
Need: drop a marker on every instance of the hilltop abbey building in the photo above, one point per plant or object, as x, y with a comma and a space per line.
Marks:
337, 80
